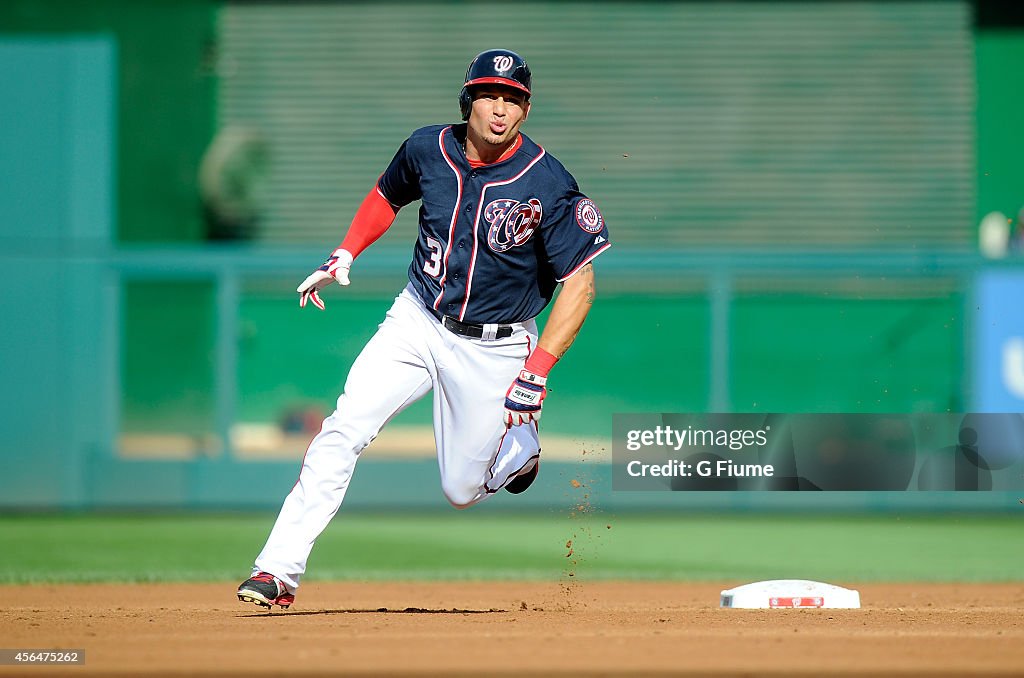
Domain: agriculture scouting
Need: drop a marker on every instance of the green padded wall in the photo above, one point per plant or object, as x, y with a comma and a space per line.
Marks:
790, 351
1000, 61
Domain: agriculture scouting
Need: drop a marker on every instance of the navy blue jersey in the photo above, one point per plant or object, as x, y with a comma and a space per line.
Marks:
494, 241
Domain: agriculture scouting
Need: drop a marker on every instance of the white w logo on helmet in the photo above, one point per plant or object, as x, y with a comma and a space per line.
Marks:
502, 63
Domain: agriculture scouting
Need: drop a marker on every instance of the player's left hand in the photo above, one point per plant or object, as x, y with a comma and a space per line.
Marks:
335, 269
524, 398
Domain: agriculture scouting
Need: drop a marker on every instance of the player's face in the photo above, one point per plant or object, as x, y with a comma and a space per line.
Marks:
497, 114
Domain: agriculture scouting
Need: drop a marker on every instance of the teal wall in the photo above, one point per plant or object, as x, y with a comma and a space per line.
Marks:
56, 220
165, 99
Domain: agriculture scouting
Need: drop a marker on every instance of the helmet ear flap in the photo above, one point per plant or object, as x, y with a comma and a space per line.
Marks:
465, 103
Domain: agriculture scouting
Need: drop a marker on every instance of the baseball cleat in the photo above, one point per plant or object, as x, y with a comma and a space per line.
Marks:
265, 590
522, 482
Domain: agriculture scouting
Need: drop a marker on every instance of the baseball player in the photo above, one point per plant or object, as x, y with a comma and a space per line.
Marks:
501, 224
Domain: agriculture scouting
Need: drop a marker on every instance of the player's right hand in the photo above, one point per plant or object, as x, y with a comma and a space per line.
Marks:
335, 269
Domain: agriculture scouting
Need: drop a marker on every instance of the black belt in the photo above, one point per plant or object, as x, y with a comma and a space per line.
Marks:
469, 329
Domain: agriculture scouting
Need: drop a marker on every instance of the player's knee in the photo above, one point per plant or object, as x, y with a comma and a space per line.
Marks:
461, 495
350, 434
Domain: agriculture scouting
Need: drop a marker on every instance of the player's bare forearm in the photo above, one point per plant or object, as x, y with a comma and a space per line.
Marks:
570, 310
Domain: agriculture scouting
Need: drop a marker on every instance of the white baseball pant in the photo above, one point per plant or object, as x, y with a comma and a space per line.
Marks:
410, 354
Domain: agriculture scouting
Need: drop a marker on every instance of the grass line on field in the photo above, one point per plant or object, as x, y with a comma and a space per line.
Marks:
481, 546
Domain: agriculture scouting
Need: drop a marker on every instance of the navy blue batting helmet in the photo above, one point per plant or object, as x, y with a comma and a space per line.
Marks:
495, 67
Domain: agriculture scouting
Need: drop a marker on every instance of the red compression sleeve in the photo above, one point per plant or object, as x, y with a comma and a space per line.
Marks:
372, 219
540, 362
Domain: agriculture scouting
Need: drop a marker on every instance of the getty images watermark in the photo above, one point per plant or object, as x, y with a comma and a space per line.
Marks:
815, 452
665, 437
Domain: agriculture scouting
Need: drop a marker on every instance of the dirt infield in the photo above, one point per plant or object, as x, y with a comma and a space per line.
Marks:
515, 628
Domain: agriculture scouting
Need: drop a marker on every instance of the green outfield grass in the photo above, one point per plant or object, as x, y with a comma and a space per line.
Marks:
464, 545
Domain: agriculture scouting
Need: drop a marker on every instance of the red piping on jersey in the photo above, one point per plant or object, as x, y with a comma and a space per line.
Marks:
455, 217
585, 262
476, 221
373, 218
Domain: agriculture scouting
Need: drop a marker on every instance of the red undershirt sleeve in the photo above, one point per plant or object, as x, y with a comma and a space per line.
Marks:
373, 218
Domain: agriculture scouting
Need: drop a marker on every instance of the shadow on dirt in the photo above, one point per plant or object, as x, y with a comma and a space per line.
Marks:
379, 610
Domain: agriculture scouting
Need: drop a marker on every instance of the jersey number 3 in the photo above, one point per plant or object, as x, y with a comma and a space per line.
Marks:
432, 266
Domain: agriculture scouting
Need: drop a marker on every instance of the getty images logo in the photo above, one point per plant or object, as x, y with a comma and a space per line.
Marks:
1013, 366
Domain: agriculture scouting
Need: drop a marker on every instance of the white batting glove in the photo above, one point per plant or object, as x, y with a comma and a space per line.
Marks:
335, 269
524, 398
